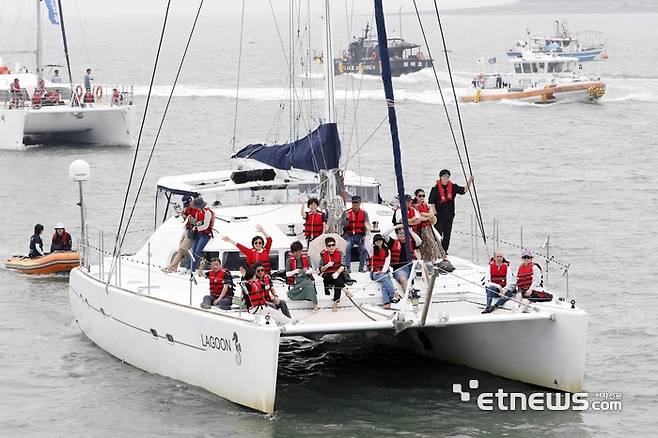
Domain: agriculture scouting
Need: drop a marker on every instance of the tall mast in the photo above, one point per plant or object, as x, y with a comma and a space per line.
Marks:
329, 104
392, 117
38, 51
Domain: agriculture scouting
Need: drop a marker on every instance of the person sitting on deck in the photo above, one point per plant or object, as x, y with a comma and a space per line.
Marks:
380, 265
185, 244
314, 220
271, 297
355, 225
333, 271
400, 262
299, 275
220, 285
253, 294
499, 282
16, 94
529, 280
117, 97
36, 244
37, 98
61, 240
88, 97
259, 251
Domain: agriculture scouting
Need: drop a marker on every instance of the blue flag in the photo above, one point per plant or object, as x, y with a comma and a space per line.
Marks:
491, 60
52, 11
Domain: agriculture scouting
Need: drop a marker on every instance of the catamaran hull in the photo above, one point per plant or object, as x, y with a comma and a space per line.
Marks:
235, 359
543, 352
578, 91
103, 125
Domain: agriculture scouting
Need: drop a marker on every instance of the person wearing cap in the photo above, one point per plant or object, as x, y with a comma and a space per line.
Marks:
36, 244
205, 221
355, 226
442, 201
187, 238
529, 281
498, 281
380, 265
61, 240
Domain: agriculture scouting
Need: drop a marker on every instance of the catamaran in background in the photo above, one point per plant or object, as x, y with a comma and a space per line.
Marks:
152, 320
585, 46
39, 111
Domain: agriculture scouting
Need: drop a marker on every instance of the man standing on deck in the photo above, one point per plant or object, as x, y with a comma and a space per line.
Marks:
89, 80
442, 201
355, 226
56, 78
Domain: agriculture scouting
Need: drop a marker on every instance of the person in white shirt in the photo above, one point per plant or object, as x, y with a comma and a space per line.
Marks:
499, 282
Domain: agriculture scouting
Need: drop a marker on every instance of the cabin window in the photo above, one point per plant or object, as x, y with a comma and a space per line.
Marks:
542, 67
517, 68
554, 67
534, 67
368, 194
526, 67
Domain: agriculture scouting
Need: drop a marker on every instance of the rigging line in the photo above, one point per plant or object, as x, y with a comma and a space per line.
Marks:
367, 139
82, 31
445, 107
162, 120
459, 118
237, 87
116, 249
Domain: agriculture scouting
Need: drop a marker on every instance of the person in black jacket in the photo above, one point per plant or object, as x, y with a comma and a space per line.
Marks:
61, 239
36, 244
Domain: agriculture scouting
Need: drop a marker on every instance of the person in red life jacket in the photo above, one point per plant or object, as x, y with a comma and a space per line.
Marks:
259, 251
253, 293
314, 220
299, 275
36, 98
117, 97
220, 283
61, 240
431, 249
442, 201
400, 262
413, 216
16, 94
271, 297
498, 281
332, 271
205, 221
380, 265
187, 237
88, 97
529, 281
355, 226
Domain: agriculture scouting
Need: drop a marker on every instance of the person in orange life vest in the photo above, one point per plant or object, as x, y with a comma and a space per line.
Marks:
299, 274
402, 265
442, 201
314, 220
117, 98
431, 249
36, 98
380, 265
61, 240
271, 297
529, 281
253, 294
355, 226
413, 216
259, 251
187, 237
88, 97
205, 220
220, 283
499, 282
16, 93
332, 270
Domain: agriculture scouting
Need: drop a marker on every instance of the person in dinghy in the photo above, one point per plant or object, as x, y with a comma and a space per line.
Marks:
36, 244
61, 240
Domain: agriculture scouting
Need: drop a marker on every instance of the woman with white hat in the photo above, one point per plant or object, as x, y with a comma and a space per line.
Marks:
62, 240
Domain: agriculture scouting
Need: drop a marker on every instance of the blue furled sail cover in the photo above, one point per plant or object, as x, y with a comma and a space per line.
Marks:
317, 151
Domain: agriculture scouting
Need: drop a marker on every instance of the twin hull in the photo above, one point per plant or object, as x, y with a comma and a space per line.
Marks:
232, 358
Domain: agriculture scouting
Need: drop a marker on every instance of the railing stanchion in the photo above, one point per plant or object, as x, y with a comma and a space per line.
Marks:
148, 277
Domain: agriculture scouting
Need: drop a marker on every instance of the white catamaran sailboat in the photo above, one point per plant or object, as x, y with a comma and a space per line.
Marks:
39, 111
153, 320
